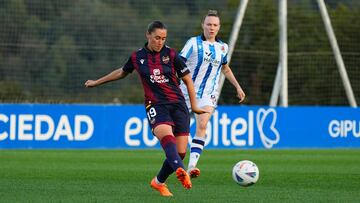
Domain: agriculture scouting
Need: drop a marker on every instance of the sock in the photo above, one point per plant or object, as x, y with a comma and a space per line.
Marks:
168, 143
166, 170
157, 181
196, 147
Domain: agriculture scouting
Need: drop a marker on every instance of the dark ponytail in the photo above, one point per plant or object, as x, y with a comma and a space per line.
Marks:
156, 25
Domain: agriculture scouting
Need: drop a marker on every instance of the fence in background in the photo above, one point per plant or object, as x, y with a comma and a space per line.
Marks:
49, 48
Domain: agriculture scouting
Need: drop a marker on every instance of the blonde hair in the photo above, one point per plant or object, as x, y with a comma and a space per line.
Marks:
212, 13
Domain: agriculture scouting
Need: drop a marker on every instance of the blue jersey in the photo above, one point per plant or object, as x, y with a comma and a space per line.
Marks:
204, 59
159, 73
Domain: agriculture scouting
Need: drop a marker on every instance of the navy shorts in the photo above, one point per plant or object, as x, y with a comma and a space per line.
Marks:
175, 114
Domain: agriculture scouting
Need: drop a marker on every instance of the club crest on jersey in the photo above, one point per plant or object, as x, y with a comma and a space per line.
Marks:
166, 59
222, 48
213, 99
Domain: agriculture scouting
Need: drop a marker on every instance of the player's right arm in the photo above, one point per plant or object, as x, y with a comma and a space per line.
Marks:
188, 48
114, 75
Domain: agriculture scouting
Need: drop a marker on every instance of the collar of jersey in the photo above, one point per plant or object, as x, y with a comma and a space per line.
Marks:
152, 52
204, 39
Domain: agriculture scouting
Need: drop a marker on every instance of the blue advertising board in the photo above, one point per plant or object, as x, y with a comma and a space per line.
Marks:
43, 126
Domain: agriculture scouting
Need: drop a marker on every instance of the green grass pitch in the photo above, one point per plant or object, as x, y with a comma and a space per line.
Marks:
124, 176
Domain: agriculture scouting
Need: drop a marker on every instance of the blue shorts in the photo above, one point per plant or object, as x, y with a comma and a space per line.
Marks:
175, 114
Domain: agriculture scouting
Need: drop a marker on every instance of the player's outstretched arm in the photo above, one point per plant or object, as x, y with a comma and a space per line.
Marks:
190, 87
114, 75
226, 70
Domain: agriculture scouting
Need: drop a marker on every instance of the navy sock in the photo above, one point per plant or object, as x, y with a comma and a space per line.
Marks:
168, 143
166, 170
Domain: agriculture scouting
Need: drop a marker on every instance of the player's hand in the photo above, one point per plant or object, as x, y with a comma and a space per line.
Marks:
90, 83
199, 110
240, 94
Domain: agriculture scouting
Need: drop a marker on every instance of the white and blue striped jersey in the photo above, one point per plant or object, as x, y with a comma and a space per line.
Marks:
204, 60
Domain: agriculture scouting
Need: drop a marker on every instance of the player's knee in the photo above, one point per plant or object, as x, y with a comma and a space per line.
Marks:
202, 125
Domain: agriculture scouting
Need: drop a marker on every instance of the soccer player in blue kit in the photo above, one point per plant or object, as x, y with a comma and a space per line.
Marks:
206, 57
160, 68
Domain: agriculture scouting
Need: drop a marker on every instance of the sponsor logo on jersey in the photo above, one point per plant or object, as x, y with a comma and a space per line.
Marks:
157, 77
214, 62
156, 72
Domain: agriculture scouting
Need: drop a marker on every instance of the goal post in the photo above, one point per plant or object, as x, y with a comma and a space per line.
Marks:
337, 53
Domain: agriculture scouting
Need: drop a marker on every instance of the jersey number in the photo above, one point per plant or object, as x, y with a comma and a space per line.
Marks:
151, 113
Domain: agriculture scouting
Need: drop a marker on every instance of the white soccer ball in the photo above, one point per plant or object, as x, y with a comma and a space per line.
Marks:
245, 173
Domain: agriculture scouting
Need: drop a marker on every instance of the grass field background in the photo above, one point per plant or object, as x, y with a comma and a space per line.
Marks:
124, 176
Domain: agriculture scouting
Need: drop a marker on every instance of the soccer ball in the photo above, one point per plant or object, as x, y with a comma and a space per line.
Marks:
245, 173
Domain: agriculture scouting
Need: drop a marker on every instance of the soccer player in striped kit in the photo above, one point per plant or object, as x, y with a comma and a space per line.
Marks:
159, 68
206, 57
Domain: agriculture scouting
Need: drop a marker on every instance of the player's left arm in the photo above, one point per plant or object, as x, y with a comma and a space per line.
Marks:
192, 96
226, 70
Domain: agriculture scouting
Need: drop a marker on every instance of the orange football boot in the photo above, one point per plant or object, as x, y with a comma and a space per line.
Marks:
162, 188
183, 177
